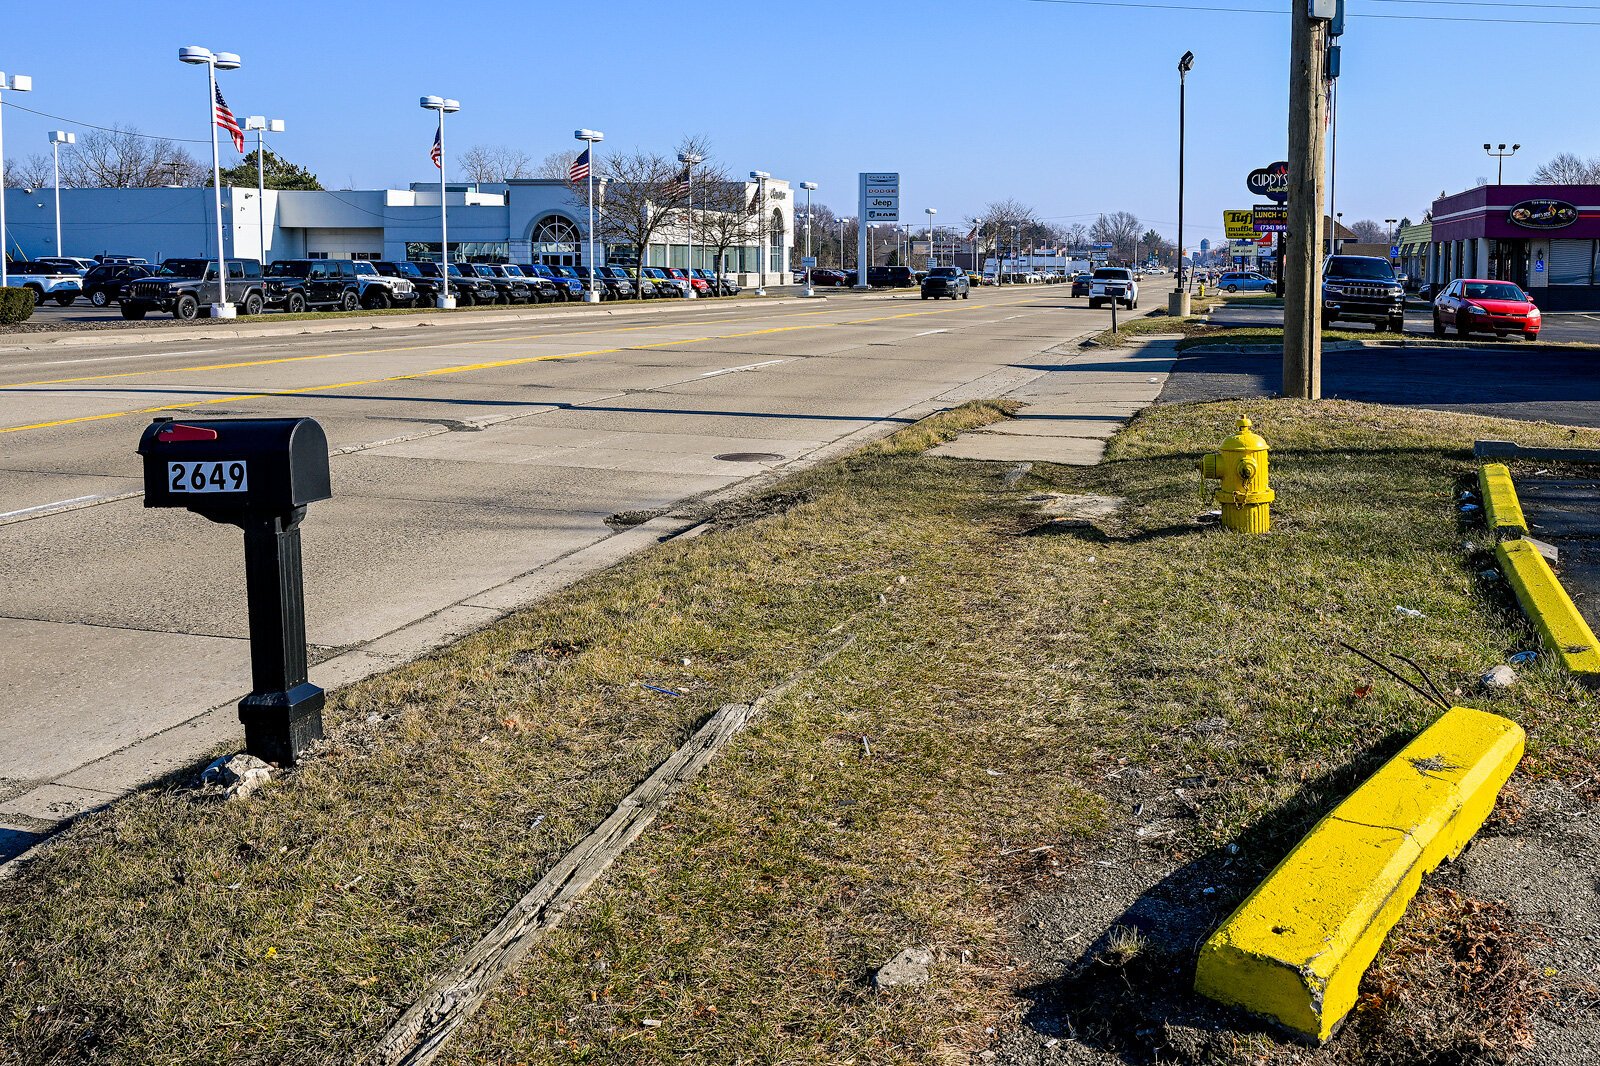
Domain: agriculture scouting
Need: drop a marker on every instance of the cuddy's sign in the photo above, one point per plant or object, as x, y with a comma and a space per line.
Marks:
1542, 214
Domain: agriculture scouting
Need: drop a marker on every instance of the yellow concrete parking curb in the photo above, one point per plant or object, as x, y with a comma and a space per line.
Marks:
1561, 627
1502, 511
1295, 950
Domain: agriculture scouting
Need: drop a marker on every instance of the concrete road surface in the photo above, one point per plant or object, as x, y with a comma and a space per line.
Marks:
469, 461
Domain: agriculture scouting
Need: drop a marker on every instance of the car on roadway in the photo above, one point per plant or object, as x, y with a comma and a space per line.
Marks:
1244, 281
1115, 285
46, 282
946, 281
1080, 284
186, 288
1482, 305
105, 283
1362, 288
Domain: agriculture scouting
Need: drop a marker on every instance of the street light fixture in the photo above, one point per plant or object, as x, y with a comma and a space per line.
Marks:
213, 62
1185, 64
262, 126
689, 159
760, 177
176, 165
592, 294
17, 83
933, 259
443, 106
841, 245
57, 139
1500, 154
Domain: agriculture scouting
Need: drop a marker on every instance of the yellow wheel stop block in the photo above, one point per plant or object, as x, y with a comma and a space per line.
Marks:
1295, 950
1561, 626
1502, 511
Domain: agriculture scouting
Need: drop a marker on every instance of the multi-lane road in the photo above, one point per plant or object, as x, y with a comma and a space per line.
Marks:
468, 455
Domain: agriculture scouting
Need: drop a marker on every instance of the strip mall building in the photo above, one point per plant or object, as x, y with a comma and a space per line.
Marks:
1545, 238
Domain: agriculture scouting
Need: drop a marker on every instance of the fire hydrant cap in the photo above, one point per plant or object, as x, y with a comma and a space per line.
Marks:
1245, 440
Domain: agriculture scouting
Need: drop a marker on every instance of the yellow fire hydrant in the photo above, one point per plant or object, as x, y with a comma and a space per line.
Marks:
1241, 466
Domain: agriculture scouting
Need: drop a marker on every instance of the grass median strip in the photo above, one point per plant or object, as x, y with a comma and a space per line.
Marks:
909, 792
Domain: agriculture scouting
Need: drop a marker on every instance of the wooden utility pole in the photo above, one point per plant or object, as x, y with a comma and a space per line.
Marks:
1302, 251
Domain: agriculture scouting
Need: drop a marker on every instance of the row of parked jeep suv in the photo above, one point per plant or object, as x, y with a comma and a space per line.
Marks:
185, 287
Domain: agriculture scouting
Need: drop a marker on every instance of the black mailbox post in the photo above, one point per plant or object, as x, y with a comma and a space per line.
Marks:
258, 474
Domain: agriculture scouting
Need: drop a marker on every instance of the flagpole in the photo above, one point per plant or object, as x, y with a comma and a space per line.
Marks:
222, 308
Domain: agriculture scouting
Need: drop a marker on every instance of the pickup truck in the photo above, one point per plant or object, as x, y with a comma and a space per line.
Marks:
1362, 288
186, 287
1114, 285
45, 282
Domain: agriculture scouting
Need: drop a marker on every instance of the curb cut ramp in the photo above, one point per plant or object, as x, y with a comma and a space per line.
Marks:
1295, 950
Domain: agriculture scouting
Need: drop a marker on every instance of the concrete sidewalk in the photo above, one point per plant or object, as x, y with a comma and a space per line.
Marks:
1071, 410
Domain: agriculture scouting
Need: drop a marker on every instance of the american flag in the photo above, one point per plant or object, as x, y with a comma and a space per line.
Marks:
973, 234
679, 185
579, 170
438, 149
226, 121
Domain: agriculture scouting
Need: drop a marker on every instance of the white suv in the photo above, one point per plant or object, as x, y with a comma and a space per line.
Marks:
1114, 285
379, 290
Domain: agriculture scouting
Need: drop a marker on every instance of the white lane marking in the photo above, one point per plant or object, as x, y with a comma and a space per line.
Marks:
930, 332
48, 506
737, 369
111, 358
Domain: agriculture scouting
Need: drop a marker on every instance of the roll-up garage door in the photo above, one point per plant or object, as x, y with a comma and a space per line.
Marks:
1571, 262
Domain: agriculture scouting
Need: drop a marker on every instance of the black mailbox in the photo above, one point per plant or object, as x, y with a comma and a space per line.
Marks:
258, 474
226, 468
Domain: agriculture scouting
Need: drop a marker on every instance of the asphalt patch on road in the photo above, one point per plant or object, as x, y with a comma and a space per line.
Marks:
1534, 384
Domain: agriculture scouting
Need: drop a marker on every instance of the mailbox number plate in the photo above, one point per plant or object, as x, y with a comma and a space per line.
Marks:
228, 475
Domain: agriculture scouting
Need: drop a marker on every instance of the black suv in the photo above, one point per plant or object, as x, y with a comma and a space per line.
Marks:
543, 290
946, 281
427, 286
319, 284
465, 286
1362, 288
890, 277
507, 290
186, 287
104, 285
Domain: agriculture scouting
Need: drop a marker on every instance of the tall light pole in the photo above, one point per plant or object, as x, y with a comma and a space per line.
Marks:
17, 83
1178, 303
810, 187
592, 138
841, 245
176, 165
213, 62
933, 257
57, 139
261, 125
689, 159
760, 177
443, 106
1500, 155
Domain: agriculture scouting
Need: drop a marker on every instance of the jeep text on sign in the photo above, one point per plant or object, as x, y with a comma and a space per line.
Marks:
880, 197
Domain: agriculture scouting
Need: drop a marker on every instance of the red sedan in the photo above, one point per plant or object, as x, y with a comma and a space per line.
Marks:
1476, 305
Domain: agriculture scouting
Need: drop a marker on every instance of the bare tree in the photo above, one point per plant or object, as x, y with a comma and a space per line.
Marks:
493, 162
1120, 229
124, 158
556, 165
726, 215
643, 192
1568, 169
1370, 231
33, 172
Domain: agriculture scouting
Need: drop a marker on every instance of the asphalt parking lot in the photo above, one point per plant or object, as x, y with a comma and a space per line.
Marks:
1581, 327
1515, 381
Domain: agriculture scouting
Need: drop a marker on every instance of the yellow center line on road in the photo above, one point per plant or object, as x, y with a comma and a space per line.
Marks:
440, 371
280, 360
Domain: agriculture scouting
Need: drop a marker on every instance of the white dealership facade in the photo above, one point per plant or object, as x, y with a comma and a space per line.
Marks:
520, 221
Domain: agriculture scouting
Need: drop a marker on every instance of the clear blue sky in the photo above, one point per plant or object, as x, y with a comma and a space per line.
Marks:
1070, 108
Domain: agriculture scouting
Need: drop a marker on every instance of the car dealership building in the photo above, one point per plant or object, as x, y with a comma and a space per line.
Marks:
1546, 238
521, 221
